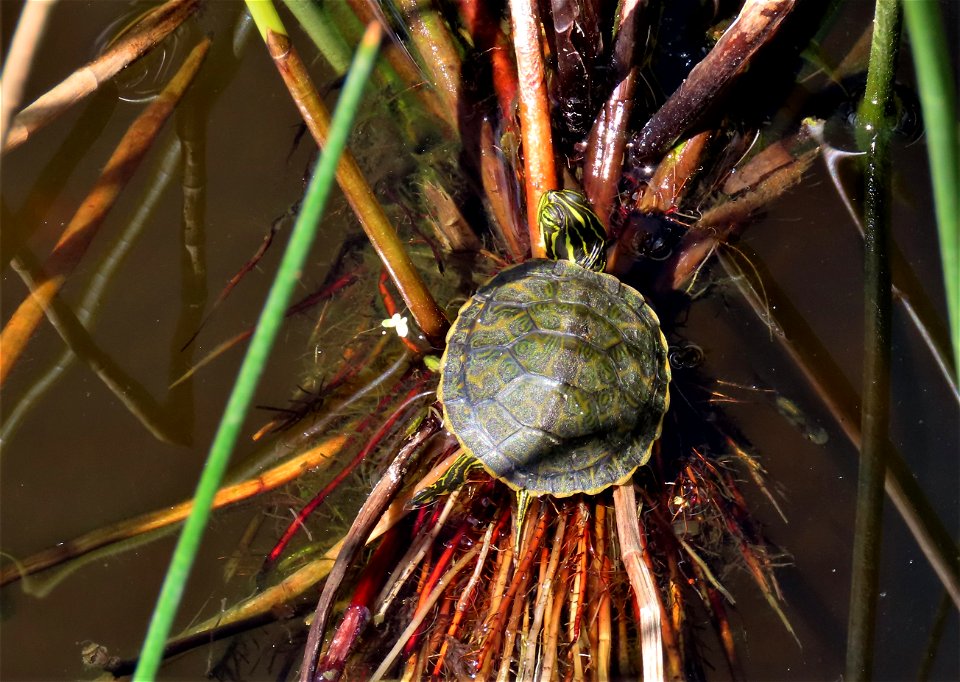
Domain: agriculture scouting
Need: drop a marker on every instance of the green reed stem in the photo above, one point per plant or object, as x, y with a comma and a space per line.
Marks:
873, 136
250, 371
938, 98
323, 32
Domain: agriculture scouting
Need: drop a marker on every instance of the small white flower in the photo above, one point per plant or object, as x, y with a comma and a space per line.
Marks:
398, 322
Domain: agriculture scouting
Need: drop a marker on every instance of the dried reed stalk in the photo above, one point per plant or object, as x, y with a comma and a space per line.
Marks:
153, 28
82, 228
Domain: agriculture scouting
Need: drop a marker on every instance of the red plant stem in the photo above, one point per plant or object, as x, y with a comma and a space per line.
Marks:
431, 582
520, 578
429, 519
540, 167
490, 41
357, 614
465, 599
412, 396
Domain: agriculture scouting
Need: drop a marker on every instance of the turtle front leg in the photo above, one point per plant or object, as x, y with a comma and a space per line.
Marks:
454, 477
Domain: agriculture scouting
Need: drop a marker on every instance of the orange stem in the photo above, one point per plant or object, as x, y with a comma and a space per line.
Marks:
540, 168
321, 454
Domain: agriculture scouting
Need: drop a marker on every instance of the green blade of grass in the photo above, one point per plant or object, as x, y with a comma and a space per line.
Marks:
250, 371
938, 99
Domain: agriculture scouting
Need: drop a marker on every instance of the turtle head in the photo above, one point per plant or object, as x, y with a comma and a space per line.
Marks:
571, 230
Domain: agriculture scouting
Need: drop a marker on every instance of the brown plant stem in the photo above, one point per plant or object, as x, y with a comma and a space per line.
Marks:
755, 26
674, 175
73, 243
501, 192
552, 627
153, 28
666, 188
383, 236
423, 610
509, 639
439, 54
502, 572
603, 570
578, 592
367, 517
82, 345
544, 595
603, 162
540, 173
320, 455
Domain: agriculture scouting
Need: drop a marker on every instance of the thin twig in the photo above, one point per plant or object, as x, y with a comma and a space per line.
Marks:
755, 26
16, 67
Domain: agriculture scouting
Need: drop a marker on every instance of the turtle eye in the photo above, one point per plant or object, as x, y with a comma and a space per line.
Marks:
571, 230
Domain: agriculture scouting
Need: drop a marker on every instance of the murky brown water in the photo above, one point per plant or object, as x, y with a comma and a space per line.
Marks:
79, 460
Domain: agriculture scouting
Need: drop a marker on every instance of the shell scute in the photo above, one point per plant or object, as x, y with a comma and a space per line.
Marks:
556, 378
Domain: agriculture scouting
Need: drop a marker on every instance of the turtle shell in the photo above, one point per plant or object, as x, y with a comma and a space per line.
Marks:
556, 378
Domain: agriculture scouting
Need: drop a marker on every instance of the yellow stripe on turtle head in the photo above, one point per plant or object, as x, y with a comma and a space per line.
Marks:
571, 230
